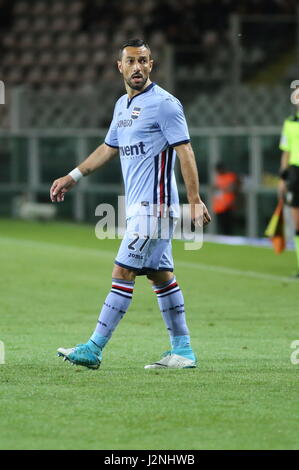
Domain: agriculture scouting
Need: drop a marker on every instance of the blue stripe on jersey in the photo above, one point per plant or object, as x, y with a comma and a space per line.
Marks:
169, 170
162, 181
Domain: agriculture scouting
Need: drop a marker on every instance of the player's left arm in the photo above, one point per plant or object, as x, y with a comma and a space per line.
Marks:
190, 176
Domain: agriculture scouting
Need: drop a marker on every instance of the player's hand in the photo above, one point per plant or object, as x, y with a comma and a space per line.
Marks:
60, 187
282, 188
199, 214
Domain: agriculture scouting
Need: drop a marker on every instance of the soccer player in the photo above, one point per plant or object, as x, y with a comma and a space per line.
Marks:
148, 129
289, 172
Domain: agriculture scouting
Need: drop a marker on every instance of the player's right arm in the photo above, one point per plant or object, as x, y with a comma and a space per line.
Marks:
189, 171
95, 160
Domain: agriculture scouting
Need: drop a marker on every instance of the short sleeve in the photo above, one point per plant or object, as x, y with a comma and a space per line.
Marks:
284, 143
111, 136
172, 122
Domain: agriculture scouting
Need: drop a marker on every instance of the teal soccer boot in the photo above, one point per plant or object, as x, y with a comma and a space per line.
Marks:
81, 355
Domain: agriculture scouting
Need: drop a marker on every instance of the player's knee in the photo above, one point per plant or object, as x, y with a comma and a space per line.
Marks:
152, 282
123, 273
160, 277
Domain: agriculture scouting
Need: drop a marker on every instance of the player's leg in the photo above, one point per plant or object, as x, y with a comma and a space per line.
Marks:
129, 262
115, 306
172, 306
295, 216
292, 199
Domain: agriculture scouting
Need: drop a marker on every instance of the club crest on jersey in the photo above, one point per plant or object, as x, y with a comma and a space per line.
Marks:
135, 113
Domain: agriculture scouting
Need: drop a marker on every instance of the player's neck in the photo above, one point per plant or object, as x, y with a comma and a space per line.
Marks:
132, 93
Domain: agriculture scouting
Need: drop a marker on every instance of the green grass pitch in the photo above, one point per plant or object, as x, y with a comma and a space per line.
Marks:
242, 312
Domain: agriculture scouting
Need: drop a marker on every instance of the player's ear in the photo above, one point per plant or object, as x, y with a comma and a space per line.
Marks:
151, 64
119, 66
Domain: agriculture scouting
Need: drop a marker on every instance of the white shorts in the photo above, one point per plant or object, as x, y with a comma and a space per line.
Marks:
146, 245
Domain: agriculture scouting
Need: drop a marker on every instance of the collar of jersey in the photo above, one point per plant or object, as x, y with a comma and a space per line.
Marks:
148, 88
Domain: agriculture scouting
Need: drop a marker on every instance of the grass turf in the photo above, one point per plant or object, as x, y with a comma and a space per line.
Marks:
241, 310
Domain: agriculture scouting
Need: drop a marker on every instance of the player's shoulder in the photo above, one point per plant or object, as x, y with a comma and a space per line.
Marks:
121, 100
165, 97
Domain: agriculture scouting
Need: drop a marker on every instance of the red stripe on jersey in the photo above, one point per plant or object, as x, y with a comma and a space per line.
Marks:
171, 286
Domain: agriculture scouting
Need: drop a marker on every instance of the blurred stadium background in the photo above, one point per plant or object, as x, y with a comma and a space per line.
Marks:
230, 63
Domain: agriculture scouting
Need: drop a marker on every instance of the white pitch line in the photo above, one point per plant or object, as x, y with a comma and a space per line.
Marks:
235, 272
56, 246
111, 254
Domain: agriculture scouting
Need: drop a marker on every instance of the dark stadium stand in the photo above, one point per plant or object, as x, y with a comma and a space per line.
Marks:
67, 45
83, 32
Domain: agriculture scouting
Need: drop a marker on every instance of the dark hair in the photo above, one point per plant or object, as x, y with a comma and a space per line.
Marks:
134, 43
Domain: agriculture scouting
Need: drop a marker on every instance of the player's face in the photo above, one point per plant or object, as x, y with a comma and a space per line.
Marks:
135, 66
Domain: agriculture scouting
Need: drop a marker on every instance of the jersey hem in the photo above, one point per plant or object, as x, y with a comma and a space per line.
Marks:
175, 144
113, 146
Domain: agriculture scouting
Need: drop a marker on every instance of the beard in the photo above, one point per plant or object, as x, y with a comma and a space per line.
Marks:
136, 86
